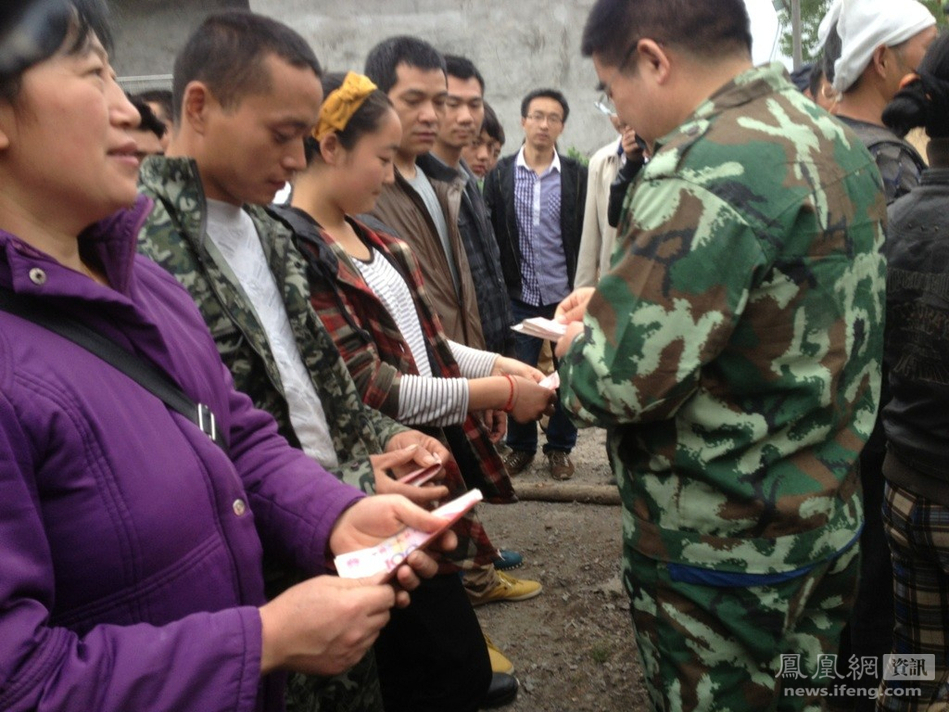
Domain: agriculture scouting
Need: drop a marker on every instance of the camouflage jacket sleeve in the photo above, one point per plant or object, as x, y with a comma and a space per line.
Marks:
668, 305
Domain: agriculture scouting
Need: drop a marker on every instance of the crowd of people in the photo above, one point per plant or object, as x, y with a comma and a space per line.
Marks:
208, 395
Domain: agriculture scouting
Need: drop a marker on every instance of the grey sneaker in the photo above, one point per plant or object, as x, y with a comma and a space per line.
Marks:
561, 468
517, 461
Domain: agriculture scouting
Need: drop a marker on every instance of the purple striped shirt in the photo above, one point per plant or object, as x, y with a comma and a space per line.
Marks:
537, 206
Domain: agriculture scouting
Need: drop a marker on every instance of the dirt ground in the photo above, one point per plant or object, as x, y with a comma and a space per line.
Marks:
572, 646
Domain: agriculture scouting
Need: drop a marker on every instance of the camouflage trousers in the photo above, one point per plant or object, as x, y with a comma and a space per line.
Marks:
719, 649
356, 690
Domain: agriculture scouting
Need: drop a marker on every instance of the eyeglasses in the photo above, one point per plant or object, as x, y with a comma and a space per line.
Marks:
605, 102
605, 106
551, 119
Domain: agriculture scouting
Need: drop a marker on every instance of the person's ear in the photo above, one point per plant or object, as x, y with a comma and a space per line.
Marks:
331, 149
654, 60
4, 135
7, 121
195, 104
879, 59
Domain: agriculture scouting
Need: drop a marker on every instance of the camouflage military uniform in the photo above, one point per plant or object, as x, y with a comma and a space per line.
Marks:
175, 237
733, 352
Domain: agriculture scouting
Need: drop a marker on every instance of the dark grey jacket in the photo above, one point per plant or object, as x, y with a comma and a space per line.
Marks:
916, 350
483, 256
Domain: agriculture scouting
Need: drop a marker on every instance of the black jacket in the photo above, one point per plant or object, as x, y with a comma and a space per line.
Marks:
916, 351
499, 197
483, 259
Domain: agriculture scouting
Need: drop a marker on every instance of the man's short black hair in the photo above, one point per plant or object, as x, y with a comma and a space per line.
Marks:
830, 53
707, 28
463, 68
545, 94
801, 77
382, 60
162, 97
815, 80
227, 53
149, 122
492, 125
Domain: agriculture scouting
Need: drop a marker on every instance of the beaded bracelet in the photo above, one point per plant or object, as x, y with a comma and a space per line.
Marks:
509, 406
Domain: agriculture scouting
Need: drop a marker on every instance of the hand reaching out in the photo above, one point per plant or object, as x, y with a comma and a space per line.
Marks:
531, 401
512, 367
389, 466
574, 306
323, 626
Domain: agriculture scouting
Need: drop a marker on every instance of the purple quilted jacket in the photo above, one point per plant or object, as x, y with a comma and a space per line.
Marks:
130, 544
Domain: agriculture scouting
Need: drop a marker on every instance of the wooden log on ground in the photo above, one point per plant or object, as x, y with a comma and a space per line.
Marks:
567, 492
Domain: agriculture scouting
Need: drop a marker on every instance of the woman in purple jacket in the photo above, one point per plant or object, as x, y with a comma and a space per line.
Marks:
130, 542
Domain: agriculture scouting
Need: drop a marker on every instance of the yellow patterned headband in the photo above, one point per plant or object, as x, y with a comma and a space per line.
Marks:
338, 108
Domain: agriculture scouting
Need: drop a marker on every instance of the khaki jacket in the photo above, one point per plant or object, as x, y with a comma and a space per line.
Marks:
402, 210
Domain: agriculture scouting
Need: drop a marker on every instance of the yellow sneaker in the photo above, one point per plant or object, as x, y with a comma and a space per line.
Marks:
499, 661
508, 589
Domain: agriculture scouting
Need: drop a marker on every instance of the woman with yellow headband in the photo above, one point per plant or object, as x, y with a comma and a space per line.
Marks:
367, 289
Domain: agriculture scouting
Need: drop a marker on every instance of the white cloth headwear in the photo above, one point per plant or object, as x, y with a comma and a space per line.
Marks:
865, 25
826, 24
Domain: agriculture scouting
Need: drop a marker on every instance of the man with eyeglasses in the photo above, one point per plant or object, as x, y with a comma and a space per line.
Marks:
536, 198
733, 353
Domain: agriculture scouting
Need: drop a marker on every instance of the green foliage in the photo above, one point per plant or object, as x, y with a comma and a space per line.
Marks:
578, 155
812, 11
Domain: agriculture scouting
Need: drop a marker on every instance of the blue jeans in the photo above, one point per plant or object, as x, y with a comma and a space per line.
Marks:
561, 433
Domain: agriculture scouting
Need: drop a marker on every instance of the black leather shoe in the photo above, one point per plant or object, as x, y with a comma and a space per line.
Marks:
501, 691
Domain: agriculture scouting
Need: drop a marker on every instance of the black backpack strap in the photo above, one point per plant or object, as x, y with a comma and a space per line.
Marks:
140, 371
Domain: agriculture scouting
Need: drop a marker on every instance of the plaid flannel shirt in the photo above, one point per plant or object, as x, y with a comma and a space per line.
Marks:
375, 352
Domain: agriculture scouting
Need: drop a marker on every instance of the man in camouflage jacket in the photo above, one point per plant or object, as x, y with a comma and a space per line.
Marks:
175, 237
733, 352
238, 134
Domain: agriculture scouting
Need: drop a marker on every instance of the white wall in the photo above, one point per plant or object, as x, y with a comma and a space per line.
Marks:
149, 33
518, 45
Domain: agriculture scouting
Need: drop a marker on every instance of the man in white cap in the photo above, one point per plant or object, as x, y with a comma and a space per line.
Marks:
881, 42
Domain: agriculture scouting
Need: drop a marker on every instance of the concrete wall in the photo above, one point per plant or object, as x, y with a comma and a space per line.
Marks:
148, 33
517, 44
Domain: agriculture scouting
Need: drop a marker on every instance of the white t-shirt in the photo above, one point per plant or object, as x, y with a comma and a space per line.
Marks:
233, 233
